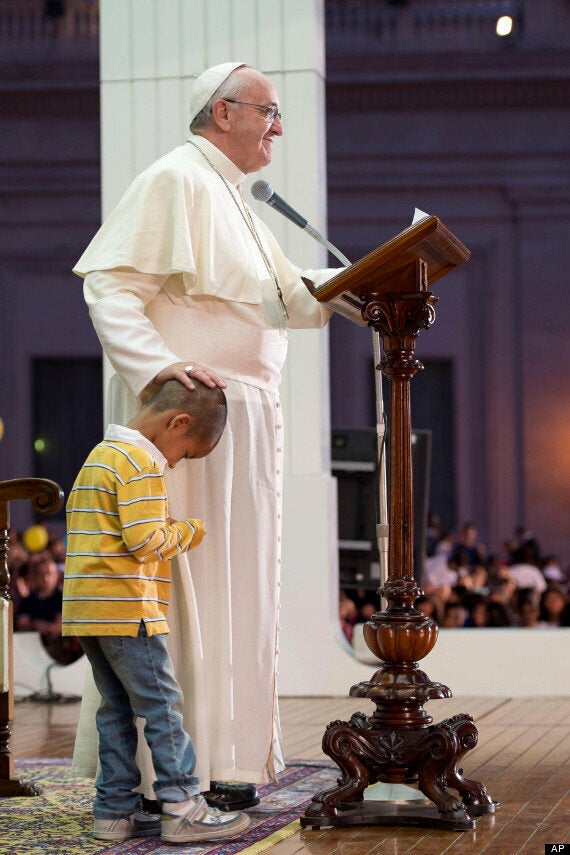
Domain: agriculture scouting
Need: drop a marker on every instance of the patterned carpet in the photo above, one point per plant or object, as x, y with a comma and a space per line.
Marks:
59, 821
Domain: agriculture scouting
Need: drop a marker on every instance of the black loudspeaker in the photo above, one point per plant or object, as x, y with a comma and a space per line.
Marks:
355, 465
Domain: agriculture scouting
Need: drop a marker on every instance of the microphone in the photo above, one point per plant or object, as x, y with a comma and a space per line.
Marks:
264, 192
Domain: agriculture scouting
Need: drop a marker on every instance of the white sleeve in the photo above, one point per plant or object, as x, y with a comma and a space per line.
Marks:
305, 311
116, 300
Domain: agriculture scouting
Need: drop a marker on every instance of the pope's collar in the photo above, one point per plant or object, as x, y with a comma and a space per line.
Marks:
227, 167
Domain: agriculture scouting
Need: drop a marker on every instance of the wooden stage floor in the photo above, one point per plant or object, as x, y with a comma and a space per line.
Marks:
523, 758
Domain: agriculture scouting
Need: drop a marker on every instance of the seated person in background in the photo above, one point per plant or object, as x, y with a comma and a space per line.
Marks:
460, 563
437, 571
40, 611
497, 568
434, 533
17, 552
121, 541
552, 571
367, 604
438, 597
57, 551
467, 546
503, 591
348, 614
553, 605
524, 547
427, 606
454, 615
499, 614
476, 581
476, 605
525, 573
503, 585
528, 608
444, 545
17, 562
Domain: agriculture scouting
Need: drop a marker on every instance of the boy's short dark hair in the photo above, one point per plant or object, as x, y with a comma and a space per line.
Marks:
207, 406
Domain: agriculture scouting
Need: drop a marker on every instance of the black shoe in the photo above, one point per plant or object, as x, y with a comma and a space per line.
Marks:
150, 805
229, 797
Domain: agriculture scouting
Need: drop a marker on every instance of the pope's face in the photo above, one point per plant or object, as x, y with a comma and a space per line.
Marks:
252, 134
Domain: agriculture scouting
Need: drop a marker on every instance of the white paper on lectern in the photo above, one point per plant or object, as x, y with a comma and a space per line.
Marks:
419, 215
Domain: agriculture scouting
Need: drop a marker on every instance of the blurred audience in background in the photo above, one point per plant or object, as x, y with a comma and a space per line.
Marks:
465, 586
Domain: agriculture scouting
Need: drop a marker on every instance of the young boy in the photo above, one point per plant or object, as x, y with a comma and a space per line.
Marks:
115, 599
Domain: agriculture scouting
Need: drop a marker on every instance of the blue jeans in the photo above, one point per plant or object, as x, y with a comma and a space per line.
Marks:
135, 677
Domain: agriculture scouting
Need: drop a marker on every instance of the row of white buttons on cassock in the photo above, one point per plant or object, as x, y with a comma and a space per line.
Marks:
278, 471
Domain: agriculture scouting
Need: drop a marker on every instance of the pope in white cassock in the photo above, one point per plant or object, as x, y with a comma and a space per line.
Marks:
183, 281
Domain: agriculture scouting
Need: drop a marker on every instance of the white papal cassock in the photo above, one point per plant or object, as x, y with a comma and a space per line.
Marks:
175, 274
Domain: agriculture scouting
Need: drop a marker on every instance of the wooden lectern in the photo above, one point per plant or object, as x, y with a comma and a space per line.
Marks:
398, 744
47, 498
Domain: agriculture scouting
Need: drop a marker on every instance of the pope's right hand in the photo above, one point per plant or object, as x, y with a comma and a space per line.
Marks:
183, 371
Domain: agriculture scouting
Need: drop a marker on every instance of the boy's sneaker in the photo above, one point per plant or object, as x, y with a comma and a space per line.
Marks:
191, 820
138, 824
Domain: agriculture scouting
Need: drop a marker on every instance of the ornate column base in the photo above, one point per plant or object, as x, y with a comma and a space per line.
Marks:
13, 787
398, 744
10, 786
368, 753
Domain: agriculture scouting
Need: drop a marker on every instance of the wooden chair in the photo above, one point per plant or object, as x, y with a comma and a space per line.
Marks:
47, 498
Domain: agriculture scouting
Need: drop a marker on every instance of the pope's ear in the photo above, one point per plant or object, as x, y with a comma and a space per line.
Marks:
221, 114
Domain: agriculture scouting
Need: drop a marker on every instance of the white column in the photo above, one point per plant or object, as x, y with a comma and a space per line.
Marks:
150, 50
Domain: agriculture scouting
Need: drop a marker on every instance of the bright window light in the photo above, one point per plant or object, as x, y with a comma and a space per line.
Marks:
504, 25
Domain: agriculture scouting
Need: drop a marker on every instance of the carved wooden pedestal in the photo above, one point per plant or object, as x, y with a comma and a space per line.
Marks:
399, 743
47, 498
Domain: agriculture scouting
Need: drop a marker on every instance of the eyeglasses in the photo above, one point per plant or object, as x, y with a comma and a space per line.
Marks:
271, 113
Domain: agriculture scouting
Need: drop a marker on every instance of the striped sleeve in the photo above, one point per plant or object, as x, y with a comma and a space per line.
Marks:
147, 531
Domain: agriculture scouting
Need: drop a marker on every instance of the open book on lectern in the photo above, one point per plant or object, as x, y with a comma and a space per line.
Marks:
426, 239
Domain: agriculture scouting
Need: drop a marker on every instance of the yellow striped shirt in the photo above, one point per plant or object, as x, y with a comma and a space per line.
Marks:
120, 540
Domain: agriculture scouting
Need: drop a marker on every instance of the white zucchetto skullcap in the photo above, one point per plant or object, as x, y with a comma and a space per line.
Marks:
207, 83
